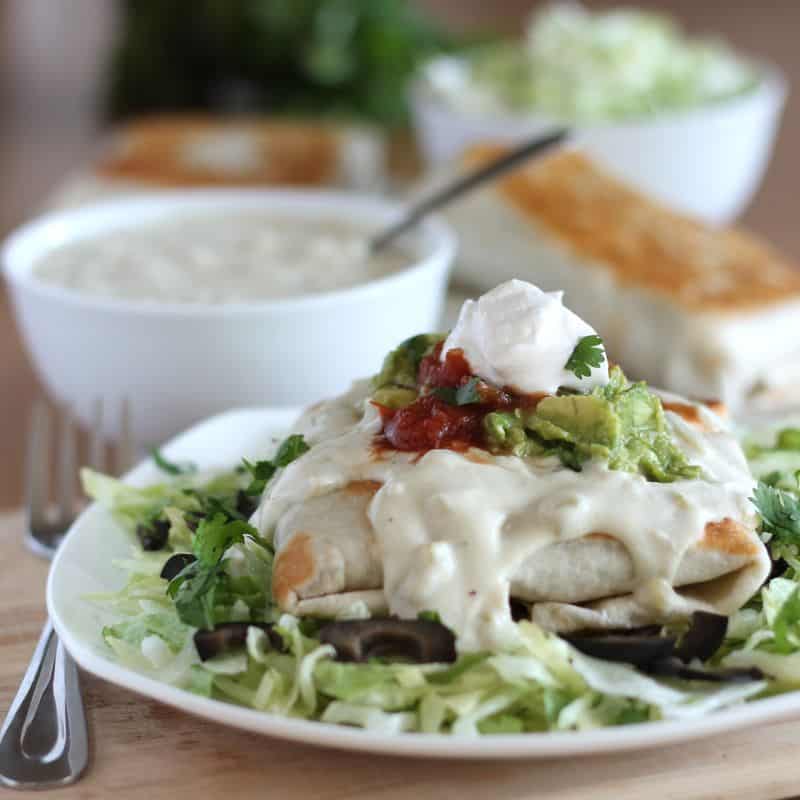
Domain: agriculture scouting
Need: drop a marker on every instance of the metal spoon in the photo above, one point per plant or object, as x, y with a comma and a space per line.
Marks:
464, 183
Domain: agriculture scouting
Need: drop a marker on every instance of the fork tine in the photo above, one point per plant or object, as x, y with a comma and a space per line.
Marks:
125, 448
67, 466
97, 442
37, 478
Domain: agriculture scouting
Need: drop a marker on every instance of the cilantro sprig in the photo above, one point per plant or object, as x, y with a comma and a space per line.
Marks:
262, 471
172, 467
588, 353
780, 518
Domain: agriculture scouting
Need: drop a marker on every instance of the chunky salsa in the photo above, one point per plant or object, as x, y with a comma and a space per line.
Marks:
451, 406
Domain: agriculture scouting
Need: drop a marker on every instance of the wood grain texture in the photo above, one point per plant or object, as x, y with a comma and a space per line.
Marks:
142, 749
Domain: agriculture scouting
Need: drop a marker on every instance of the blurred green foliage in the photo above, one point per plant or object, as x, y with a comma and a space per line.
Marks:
330, 57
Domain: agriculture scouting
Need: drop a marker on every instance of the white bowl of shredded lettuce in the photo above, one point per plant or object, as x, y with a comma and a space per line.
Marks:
687, 120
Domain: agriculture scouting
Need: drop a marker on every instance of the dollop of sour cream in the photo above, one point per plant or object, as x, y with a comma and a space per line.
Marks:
519, 336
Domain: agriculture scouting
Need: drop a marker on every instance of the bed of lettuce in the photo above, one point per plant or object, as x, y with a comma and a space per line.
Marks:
542, 684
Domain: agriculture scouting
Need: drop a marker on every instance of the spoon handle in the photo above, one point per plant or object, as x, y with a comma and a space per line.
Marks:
484, 174
44, 741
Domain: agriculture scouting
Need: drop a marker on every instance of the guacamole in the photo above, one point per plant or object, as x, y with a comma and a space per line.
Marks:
622, 423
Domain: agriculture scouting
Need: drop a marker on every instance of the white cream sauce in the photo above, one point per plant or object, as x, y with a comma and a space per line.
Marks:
453, 530
223, 257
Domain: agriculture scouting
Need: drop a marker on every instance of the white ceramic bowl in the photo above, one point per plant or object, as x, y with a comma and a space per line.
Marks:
707, 161
179, 363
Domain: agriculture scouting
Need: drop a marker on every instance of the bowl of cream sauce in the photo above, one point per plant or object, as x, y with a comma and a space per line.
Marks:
191, 303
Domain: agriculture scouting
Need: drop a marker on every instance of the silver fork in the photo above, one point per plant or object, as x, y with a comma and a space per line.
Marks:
44, 740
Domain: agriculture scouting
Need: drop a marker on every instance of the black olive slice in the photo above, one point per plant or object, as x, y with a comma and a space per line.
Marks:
419, 641
229, 635
245, 504
153, 536
779, 567
637, 649
675, 668
519, 609
175, 564
660, 655
704, 637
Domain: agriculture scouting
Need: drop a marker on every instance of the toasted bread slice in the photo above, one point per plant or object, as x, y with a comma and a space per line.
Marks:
176, 151
200, 151
708, 312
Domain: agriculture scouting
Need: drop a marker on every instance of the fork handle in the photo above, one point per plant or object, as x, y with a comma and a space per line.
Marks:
44, 741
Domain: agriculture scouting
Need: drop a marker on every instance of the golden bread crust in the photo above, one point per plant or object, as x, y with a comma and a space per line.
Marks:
645, 245
152, 150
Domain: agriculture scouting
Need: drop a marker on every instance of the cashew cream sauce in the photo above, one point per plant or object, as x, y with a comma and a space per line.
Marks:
226, 257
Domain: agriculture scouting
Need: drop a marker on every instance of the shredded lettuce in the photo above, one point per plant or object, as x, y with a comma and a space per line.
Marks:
132, 506
583, 66
165, 625
766, 633
544, 684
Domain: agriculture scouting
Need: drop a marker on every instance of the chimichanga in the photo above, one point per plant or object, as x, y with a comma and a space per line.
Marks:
329, 557
508, 461
710, 313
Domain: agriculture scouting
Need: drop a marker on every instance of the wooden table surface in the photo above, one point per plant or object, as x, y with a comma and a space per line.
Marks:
142, 749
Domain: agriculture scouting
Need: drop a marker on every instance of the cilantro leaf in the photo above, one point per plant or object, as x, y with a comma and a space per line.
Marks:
780, 517
194, 590
588, 353
261, 472
447, 394
291, 448
171, 467
464, 395
212, 504
215, 535
468, 393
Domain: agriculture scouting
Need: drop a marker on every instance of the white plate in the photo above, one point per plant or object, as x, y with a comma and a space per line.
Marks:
83, 566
